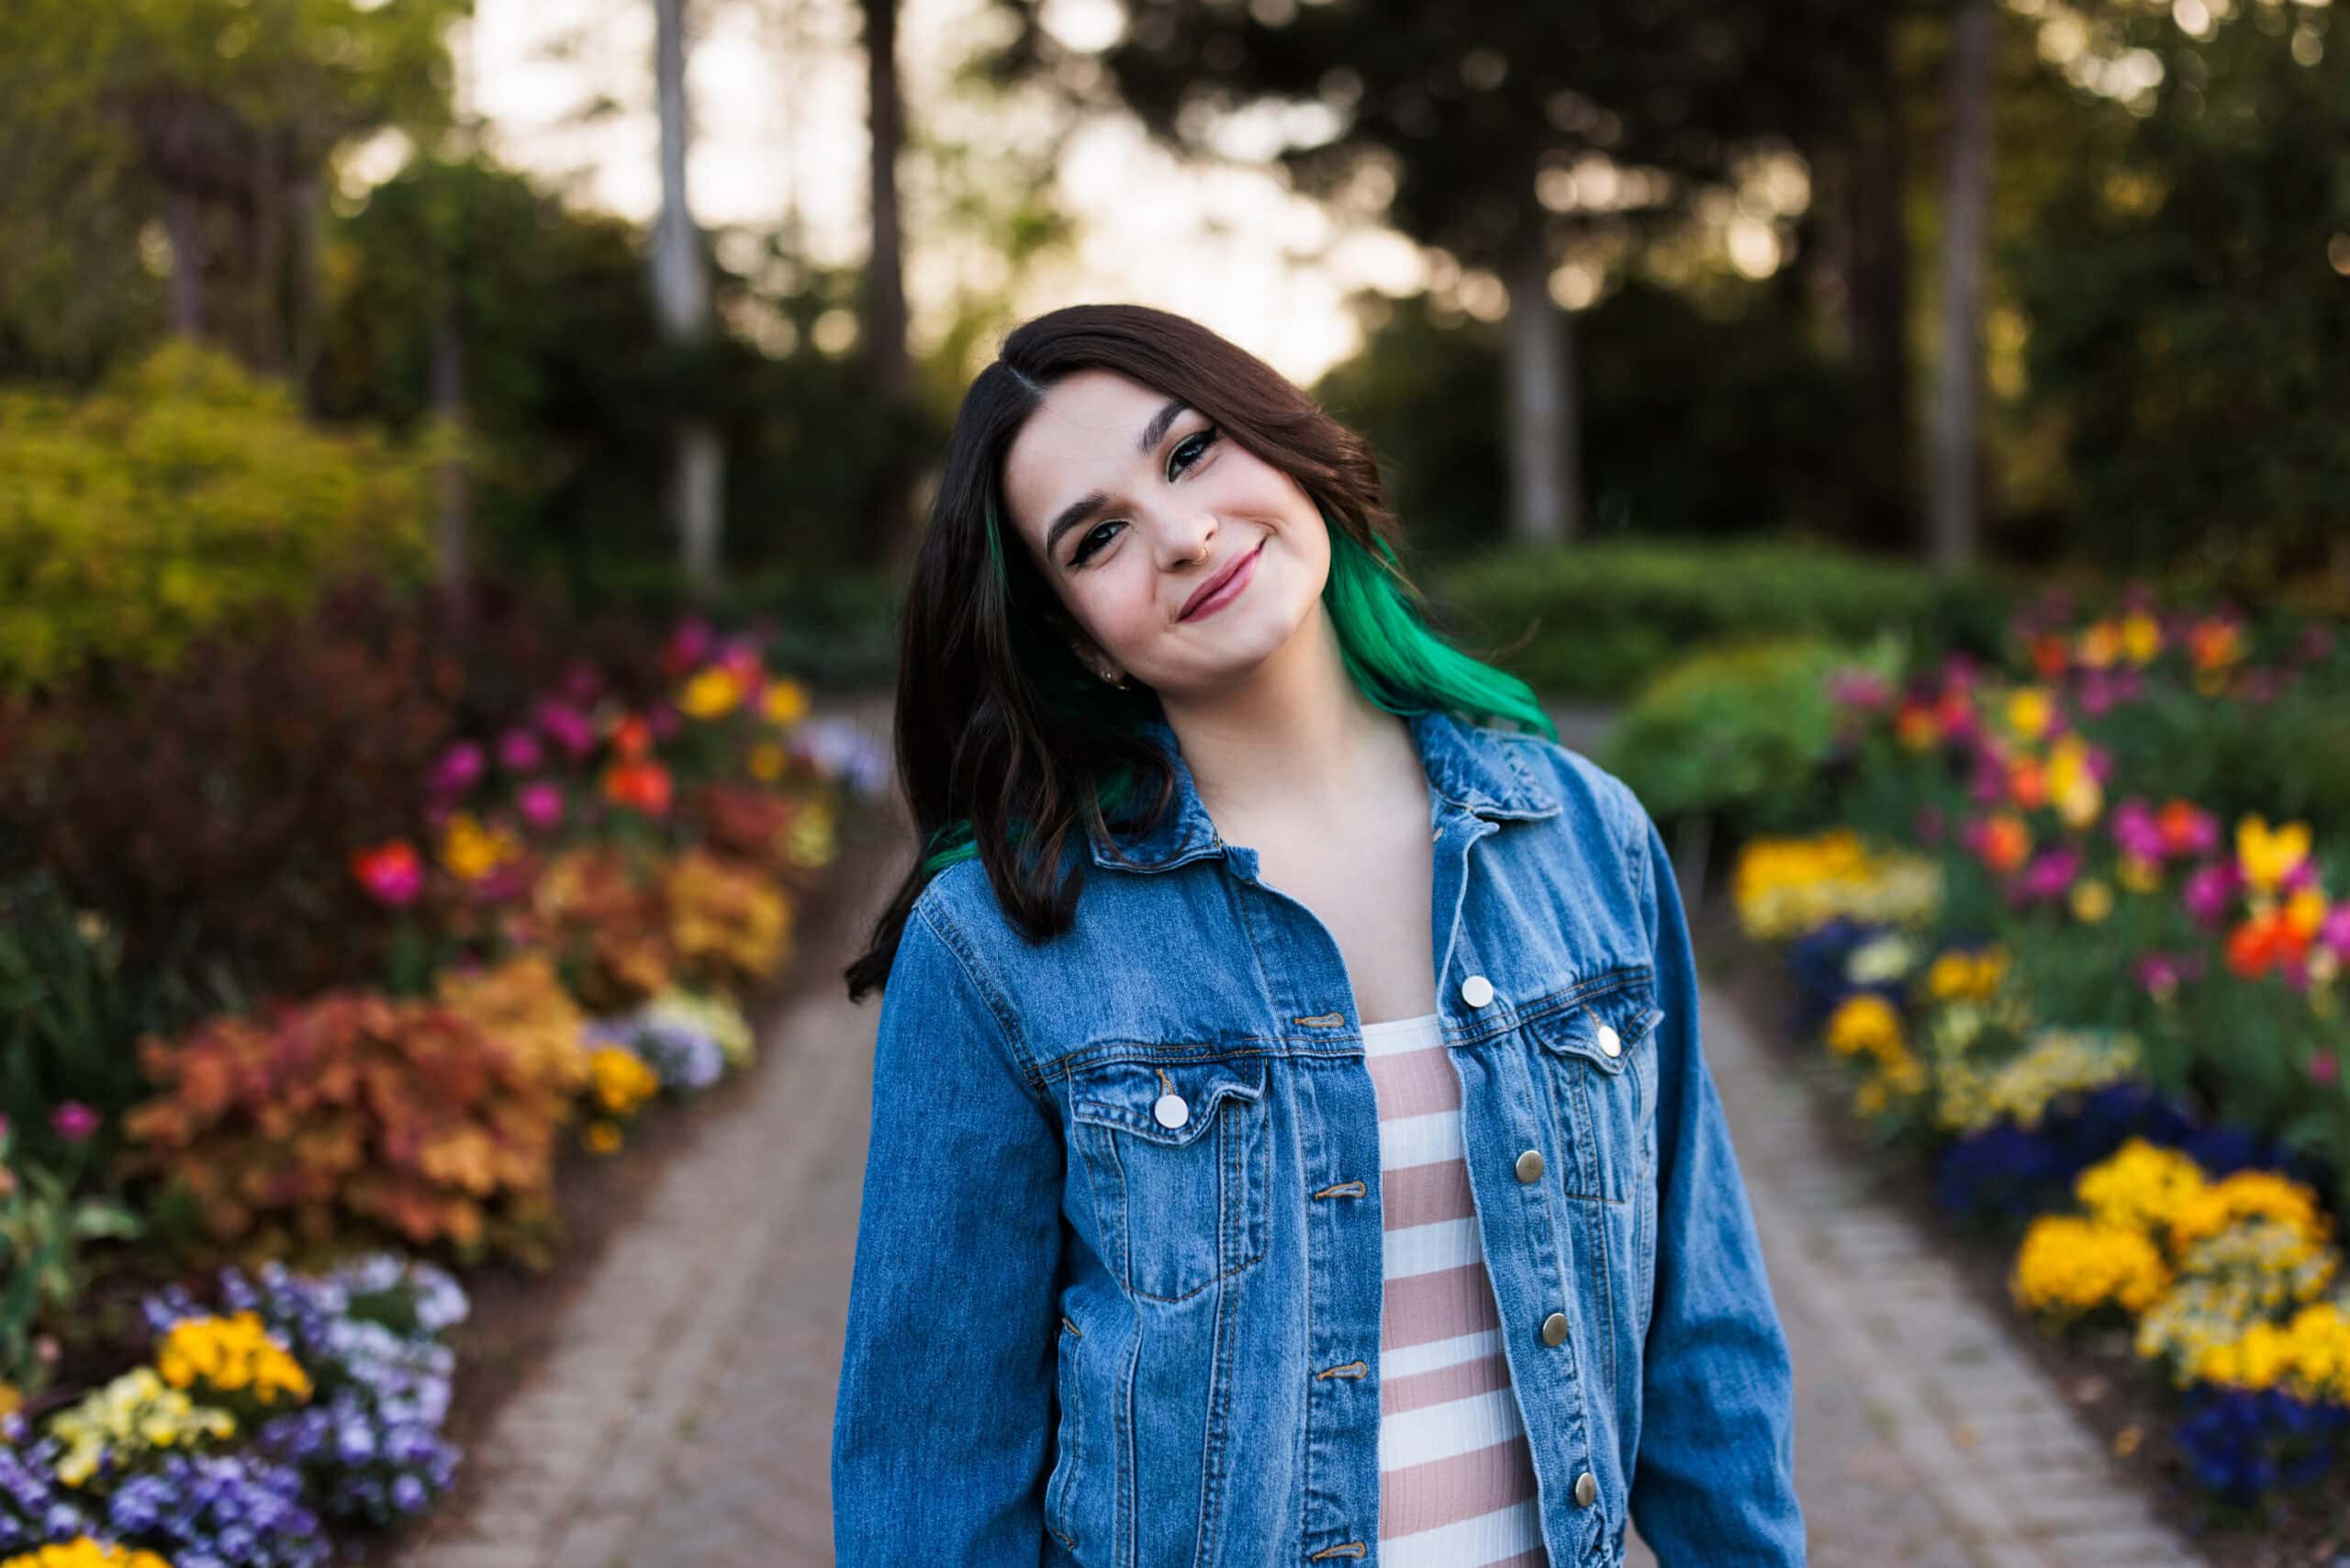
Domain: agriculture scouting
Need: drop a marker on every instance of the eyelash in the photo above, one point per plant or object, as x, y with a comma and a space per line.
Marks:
1086, 548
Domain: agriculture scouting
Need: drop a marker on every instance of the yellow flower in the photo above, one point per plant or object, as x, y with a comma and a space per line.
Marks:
2139, 874
2268, 855
232, 1355
2305, 912
2092, 900
1975, 975
601, 1137
470, 851
785, 702
2126, 1440
12, 1398
765, 762
2100, 644
2071, 784
2030, 711
1864, 1022
2209, 1209
83, 1553
712, 693
2141, 638
2068, 1266
2141, 1186
621, 1079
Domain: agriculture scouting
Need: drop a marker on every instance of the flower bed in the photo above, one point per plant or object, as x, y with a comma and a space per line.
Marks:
2110, 1021
590, 890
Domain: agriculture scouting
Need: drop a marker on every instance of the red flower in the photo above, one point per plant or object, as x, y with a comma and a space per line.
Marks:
392, 873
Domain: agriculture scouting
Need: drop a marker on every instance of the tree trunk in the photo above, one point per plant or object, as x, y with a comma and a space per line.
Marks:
183, 222
681, 299
895, 524
452, 484
1877, 289
1966, 208
1544, 482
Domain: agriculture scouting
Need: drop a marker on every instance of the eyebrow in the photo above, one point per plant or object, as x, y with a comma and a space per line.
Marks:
1084, 507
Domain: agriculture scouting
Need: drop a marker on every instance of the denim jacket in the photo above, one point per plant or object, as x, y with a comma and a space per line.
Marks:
1117, 1288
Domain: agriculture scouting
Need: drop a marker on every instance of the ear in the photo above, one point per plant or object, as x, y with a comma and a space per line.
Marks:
1087, 654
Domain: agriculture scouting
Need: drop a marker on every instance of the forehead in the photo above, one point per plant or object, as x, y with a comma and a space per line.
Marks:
1080, 437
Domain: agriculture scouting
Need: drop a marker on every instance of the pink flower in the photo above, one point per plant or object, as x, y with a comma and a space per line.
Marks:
2097, 693
2303, 874
392, 873
519, 751
740, 655
689, 643
74, 1120
541, 804
2051, 873
2334, 930
2210, 890
1857, 688
459, 769
567, 727
2325, 1068
2136, 831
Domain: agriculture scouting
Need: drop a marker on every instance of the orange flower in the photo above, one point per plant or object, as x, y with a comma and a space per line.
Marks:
2006, 841
1916, 726
2027, 783
642, 784
2050, 652
632, 737
2264, 942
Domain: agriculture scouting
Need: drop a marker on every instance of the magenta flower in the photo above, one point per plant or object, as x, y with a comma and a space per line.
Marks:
74, 1120
519, 751
2209, 892
541, 804
1988, 787
741, 657
2136, 831
2302, 874
2325, 1068
689, 643
2050, 874
459, 769
2097, 693
567, 727
2334, 930
2161, 972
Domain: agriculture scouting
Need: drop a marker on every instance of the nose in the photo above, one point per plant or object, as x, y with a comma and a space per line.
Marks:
1184, 541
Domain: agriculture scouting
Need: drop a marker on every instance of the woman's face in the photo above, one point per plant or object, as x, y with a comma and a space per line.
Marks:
1131, 504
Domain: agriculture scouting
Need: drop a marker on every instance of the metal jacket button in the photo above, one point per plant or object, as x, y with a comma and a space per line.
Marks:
1609, 1041
1170, 1110
1587, 1489
1529, 1165
1476, 991
1554, 1329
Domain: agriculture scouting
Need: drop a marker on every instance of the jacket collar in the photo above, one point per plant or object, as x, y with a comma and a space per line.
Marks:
1476, 769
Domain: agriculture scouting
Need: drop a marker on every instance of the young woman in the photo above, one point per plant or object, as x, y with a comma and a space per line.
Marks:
1291, 1137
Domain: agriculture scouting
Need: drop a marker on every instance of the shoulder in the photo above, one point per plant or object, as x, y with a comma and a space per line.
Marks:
1584, 789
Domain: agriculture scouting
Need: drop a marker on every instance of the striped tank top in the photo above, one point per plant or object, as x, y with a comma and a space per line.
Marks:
1456, 1480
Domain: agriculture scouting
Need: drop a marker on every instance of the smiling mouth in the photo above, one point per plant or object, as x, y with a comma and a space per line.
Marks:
1201, 601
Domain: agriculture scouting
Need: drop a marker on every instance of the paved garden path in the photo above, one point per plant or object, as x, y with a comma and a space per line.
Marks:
684, 1417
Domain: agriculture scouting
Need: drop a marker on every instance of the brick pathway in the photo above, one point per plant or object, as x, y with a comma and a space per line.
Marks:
684, 1418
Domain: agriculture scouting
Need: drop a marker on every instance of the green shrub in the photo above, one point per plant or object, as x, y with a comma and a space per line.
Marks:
1744, 731
180, 498
1596, 621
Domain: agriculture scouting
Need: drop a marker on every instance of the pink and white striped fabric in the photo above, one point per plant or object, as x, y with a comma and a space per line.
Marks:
1456, 1481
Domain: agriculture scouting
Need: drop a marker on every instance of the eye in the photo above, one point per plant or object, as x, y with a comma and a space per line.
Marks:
1196, 443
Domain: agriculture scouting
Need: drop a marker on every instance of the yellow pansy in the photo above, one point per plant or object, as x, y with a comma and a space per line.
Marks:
2141, 638
471, 851
2030, 711
711, 694
2268, 855
785, 702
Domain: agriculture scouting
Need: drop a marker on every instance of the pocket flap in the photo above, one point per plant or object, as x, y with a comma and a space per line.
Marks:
1127, 1096
1625, 1015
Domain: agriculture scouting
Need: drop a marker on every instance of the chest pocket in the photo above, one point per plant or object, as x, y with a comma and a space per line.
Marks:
1599, 1058
1176, 1154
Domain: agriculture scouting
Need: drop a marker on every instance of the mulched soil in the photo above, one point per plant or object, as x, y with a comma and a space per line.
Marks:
2108, 1389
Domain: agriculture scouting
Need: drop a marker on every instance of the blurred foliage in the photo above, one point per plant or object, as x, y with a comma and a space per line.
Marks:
2184, 288
182, 497
212, 118
1742, 731
1598, 620
571, 396
1728, 374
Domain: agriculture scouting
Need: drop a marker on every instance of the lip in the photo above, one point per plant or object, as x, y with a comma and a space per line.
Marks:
1230, 577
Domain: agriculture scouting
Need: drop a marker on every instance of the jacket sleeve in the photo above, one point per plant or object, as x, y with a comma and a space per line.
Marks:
942, 1423
1713, 1485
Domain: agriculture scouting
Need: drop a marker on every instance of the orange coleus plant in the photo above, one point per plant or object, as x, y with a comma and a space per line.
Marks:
350, 1115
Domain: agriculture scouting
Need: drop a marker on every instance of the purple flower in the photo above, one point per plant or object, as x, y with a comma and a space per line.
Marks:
2210, 892
2335, 932
691, 643
519, 751
541, 804
2048, 874
74, 1120
2136, 831
459, 769
567, 727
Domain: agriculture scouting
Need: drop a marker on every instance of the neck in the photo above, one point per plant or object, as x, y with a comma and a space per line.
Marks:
1295, 733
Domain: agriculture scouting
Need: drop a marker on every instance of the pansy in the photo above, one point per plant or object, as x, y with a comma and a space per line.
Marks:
2267, 856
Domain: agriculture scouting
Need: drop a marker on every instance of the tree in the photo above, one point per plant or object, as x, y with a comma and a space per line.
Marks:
681, 300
